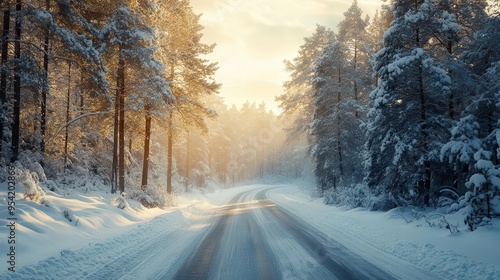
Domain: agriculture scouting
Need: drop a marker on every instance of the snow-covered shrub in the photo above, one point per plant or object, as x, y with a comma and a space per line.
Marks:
31, 183
120, 202
152, 196
484, 190
68, 215
446, 196
352, 196
31, 161
51, 186
441, 222
144, 198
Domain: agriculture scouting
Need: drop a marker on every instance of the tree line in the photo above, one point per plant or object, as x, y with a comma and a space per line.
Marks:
120, 92
81, 81
403, 109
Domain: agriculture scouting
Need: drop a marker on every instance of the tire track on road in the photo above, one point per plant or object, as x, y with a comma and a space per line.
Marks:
208, 255
342, 263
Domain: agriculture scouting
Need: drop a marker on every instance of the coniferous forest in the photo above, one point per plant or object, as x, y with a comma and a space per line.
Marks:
120, 92
401, 108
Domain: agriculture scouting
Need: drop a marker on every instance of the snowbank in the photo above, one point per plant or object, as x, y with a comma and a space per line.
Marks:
59, 225
66, 222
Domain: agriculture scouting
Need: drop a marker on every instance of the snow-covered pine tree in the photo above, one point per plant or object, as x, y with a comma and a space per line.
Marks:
191, 75
459, 151
378, 25
475, 152
354, 38
481, 201
353, 35
132, 42
220, 141
340, 85
406, 121
44, 24
329, 89
297, 103
78, 93
482, 195
484, 55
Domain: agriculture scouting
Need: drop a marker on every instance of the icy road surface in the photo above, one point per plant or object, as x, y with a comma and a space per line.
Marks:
253, 234
254, 238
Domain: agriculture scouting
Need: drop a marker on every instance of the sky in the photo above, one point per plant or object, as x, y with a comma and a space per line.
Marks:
254, 37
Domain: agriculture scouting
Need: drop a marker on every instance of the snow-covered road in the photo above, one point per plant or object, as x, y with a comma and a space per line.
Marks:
254, 238
251, 232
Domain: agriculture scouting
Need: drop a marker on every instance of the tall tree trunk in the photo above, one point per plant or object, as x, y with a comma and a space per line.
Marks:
170, 135
424, 185
451, 107
356, 113
66, 133
145, 162
121, 124
187, 160
339, 120
17, 85
43, 105
114, 177
450, 72
169, 153
82, 93
3, 72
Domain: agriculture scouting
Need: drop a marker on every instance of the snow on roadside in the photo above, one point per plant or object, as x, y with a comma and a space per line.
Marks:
60, 230
66, 222
89, 229
464, 255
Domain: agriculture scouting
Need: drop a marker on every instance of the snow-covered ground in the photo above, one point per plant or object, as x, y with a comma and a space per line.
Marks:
462, 255
92, 229
85, 235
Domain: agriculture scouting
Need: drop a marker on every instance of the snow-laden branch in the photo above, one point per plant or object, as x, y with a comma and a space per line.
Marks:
75, 120
44, 52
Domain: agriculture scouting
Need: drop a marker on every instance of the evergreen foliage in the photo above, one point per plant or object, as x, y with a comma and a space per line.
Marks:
429, 130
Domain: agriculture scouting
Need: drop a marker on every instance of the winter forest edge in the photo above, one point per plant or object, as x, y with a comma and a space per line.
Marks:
398, 110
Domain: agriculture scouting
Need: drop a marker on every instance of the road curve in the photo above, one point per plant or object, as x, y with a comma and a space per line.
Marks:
256, 239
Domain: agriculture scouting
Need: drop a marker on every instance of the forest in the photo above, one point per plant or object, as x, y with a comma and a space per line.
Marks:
403, 109
399, 109
120, 93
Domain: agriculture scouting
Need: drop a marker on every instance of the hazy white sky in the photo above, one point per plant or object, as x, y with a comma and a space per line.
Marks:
253, 38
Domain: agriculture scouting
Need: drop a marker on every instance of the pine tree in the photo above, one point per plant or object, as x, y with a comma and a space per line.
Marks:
459, 151
483, 181
352, 33
340, 80
191, 76
328, 90
479, 113
355, 46
296, 103
133, 37
406, 122
484, 190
